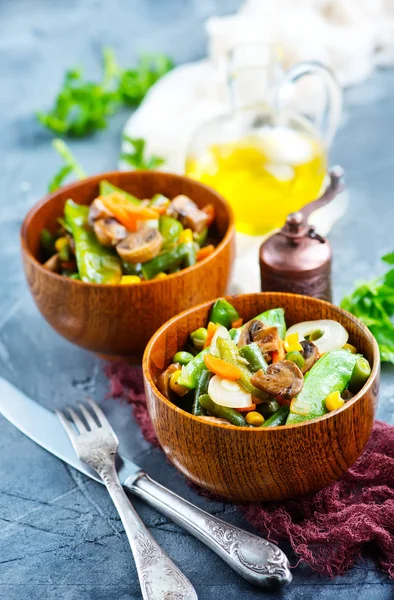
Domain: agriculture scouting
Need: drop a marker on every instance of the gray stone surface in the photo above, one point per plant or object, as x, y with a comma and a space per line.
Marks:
59, 535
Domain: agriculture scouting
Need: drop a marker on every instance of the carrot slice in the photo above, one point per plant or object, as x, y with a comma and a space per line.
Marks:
237, 323
279, 354
212, 328
222, 368
246, 408
204, 252
126, 213
282, 401
209, 210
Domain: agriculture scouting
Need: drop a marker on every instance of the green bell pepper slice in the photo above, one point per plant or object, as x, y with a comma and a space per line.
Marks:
223, 313
96, 264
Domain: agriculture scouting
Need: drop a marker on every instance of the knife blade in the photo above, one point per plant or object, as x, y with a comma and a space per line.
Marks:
260, 562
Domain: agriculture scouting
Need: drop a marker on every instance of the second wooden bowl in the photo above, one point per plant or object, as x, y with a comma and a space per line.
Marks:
118, 320
261, 464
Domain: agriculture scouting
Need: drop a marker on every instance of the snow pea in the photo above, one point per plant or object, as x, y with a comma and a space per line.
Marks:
191, 373
223, 313
170, 229
107, 188
96, 264
332, 372
165, 261
275, 317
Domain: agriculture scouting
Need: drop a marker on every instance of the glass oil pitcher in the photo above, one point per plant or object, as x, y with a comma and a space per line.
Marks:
265, 158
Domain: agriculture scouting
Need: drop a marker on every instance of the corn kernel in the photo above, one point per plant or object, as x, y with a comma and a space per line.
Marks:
160, 276
186, 236
180, 390
254, 418
334, 401
350, 348
61, 243
292, 343
127, 279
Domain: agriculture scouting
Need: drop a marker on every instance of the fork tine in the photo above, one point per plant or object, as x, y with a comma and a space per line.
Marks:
88, 417
66, 424
79, 424
99, 414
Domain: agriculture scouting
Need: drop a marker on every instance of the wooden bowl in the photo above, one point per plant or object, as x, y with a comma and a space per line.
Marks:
276, 463
118, 320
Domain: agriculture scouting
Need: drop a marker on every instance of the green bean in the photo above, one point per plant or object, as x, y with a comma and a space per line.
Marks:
254, 356
201, 390
201, 238
360, 374
164, 261
268, 408
229, 352
47, 242
278, 418
223, 412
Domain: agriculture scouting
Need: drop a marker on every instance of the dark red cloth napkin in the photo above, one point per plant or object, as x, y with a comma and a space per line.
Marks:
328, 529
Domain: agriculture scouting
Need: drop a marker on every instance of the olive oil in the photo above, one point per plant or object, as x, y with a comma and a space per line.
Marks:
263, 176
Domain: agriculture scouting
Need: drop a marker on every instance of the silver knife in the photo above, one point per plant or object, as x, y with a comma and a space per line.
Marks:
260, 562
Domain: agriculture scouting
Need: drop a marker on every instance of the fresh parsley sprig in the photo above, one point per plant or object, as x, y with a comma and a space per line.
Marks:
136, 158
373, 303
82, 107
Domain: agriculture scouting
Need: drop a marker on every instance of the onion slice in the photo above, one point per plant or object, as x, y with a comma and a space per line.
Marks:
229, 393
334, 335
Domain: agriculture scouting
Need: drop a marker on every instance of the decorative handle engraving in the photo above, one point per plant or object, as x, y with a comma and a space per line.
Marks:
256, 554
160, 578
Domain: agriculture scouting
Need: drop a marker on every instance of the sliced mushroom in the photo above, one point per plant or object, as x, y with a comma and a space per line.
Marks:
217, 420
163, 381
310, 354
98, 210
140, 246
188, 213
347, 395
283, 379
267, 338
53, 264
109, 231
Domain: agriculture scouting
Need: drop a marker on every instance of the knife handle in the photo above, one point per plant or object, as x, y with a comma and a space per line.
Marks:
260, 562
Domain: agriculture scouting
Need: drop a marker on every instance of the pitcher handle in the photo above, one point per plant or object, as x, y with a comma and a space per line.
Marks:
328, 120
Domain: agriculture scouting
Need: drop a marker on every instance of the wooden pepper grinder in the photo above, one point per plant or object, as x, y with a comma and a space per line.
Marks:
297, 259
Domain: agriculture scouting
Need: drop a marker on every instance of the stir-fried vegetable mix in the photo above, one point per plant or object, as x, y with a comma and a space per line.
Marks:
261, 374
121, 239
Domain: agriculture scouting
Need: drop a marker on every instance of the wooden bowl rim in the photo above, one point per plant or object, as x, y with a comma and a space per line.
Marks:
76, 184
356, 397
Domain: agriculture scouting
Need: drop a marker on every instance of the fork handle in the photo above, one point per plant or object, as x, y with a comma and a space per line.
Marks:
260, 562
159, 577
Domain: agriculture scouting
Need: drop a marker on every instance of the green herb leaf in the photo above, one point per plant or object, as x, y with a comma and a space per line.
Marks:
373, 303
135, 83
71, 166
136, 158
82, 107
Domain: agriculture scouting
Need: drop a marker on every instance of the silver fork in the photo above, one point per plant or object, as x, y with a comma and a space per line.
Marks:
96, 444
